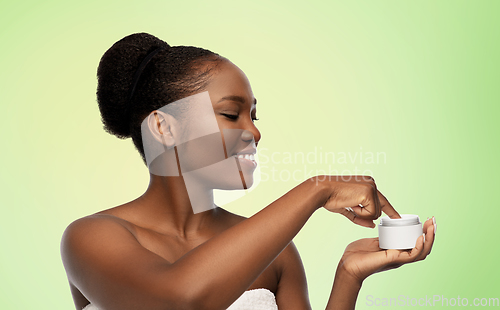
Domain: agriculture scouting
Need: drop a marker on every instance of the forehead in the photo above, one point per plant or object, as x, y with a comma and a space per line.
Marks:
229, 80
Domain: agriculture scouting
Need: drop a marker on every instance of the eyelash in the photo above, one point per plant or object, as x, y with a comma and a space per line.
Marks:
231, 116
235, 117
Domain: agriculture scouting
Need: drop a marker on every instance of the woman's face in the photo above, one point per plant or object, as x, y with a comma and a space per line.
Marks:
234, 108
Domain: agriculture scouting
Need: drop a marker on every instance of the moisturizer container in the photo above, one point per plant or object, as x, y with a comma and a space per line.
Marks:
399, 234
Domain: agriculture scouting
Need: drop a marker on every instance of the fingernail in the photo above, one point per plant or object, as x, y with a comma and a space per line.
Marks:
435, 225
424, 237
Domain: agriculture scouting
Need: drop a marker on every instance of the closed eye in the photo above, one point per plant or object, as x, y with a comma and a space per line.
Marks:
230, 116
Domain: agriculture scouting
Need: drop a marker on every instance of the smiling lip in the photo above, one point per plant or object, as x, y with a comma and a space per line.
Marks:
247, 158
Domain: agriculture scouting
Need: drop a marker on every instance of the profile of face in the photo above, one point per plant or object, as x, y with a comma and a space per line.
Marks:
235, 110
213, 132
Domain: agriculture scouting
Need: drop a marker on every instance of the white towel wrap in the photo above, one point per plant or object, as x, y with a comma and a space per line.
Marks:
256, 299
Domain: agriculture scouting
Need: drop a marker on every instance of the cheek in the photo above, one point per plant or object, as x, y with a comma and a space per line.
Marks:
236, 140
231, 139
200, 152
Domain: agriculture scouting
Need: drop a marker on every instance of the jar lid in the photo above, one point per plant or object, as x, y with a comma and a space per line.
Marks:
405, 220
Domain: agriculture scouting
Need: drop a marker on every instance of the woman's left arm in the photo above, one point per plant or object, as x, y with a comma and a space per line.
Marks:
363, 258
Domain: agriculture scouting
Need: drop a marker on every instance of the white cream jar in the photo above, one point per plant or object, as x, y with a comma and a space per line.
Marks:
399, 234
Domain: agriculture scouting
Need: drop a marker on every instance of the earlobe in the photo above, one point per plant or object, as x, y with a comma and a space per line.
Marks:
160, 127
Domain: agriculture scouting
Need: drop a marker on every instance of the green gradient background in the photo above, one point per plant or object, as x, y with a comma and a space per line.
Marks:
412, 79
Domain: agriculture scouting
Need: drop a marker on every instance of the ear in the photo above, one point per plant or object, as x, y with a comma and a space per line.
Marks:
161, 126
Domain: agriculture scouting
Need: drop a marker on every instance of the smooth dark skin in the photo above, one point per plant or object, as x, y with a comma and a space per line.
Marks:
154, 253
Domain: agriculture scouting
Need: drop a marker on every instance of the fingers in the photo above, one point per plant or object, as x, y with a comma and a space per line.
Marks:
359, 194
369, 206
418, 249
407, 256
434, 232
380, 203
427, 223
386, 207
359, 190
364, 222
423, 246
430, 236
357, 220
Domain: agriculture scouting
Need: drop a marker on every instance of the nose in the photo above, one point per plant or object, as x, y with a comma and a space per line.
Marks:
251, 133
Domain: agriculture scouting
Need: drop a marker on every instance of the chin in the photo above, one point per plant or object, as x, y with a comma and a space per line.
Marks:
228, 174
248, 180
234, 184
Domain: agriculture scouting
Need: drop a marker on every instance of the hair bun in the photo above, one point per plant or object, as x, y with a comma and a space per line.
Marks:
115, 76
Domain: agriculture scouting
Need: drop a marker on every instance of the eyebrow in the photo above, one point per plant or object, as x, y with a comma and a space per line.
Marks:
235, 98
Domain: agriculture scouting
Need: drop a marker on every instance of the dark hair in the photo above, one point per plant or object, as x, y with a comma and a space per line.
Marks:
173, 73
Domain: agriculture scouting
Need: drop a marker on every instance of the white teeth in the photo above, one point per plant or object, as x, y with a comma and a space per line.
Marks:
246, 156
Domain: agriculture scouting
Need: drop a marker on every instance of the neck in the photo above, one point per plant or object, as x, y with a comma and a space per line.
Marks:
167, 206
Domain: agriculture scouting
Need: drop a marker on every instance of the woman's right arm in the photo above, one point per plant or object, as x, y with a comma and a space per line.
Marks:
109, 266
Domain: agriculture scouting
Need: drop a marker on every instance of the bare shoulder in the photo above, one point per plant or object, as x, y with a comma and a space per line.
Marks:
96, 250
87, 232
90, 224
